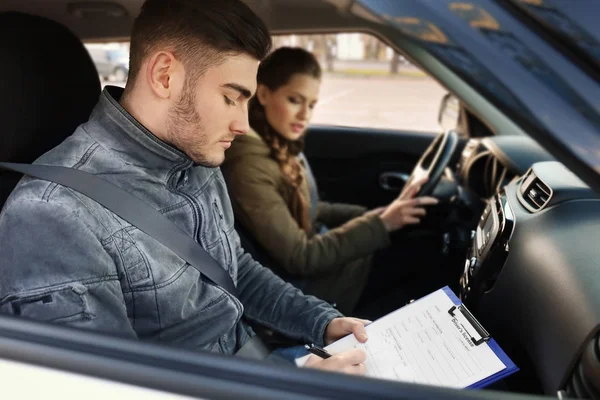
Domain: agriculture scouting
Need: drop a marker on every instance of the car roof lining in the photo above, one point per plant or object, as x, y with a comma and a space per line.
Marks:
281, 17
112, 20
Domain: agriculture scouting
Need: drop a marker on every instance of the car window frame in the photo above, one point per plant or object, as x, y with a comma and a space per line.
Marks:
198, 374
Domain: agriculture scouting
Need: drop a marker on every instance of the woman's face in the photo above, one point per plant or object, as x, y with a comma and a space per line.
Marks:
290, 107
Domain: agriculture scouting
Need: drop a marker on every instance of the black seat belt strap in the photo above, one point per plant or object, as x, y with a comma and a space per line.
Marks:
136, 212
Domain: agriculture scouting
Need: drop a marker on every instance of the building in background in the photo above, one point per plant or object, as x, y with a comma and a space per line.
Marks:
348, 51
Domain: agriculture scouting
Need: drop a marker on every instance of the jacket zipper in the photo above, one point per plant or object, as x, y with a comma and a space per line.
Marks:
226, 244
195, 207
196, 212
227, 250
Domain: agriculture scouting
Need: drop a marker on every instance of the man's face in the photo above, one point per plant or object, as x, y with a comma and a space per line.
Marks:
210, 113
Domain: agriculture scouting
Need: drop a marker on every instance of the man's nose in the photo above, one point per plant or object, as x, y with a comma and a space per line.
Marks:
241, 125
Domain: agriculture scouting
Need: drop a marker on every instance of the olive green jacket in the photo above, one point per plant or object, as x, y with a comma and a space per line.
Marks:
336, 264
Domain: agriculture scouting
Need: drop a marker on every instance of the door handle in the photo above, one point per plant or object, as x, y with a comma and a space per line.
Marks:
393, 181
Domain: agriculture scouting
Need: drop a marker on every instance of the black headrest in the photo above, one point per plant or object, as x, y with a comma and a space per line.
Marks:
48, 86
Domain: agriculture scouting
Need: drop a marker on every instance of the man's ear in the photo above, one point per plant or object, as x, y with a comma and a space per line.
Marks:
263, 94
163, 74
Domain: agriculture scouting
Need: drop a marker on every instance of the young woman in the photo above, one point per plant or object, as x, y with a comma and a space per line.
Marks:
325, 249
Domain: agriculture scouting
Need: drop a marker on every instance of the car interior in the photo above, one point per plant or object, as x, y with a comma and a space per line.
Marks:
514, 232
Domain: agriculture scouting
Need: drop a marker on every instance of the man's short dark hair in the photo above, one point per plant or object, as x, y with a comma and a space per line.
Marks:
199, 32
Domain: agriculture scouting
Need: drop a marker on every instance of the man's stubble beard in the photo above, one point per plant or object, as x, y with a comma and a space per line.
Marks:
186, 131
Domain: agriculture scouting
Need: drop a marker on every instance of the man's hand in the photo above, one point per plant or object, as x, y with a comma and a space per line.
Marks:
407, 209
348, 362
340, 327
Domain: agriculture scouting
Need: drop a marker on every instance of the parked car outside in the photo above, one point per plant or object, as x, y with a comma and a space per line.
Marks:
112, 61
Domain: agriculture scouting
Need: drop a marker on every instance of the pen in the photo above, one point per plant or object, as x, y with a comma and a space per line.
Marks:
317, 351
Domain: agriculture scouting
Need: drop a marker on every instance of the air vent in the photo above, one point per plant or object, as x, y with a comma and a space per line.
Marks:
535, 193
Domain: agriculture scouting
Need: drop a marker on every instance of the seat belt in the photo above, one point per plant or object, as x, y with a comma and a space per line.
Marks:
136, 212
149, 221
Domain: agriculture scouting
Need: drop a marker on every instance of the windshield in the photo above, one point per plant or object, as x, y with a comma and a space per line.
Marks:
517, 63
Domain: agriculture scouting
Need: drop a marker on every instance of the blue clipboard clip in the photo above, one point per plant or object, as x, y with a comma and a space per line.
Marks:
485, 336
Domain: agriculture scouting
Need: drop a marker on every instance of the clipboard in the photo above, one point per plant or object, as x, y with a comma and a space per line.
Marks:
433, 320
511, 368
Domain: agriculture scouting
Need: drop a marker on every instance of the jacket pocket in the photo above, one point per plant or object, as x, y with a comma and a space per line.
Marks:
59, 305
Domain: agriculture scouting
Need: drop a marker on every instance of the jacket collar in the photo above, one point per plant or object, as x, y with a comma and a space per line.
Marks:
122, 133
253, 134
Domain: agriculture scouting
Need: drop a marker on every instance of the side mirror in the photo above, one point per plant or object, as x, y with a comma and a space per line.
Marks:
449, 115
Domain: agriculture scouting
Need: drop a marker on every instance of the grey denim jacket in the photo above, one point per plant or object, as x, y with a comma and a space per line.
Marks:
66, 259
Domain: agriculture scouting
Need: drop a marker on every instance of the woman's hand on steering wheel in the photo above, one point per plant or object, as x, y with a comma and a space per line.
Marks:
407, 209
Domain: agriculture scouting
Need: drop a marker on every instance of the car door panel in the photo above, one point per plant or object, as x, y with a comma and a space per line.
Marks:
363, 166
122, 365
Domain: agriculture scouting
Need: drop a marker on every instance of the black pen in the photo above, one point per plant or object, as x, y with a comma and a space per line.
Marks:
317, 351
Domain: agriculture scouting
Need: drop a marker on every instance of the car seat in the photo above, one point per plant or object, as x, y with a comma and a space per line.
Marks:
42, 103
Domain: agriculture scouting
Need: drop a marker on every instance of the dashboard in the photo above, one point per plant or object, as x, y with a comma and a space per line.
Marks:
532, 272
486, 165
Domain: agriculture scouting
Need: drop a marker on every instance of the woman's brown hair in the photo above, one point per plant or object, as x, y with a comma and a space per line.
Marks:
275, 71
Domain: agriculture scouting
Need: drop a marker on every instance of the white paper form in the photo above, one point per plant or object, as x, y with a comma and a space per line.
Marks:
422, 343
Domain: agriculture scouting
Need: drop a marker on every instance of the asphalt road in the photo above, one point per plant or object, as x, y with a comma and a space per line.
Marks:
400, 102
404, 103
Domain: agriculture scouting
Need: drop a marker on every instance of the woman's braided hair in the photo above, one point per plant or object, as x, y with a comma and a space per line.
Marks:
275, 71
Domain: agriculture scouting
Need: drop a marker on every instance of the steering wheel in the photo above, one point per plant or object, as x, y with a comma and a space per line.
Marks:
433, 162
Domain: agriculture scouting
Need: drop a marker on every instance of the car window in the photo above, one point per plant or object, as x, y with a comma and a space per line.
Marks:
111, 60
367, 84
118, 54
97, 54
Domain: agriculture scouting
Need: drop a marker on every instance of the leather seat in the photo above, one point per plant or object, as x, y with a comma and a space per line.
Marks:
49, 86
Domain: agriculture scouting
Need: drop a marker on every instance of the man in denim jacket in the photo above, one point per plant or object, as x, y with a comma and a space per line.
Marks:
68, 260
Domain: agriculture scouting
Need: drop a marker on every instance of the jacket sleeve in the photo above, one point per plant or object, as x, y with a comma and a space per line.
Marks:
336, 214
278, 305
263, 211
55, 269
